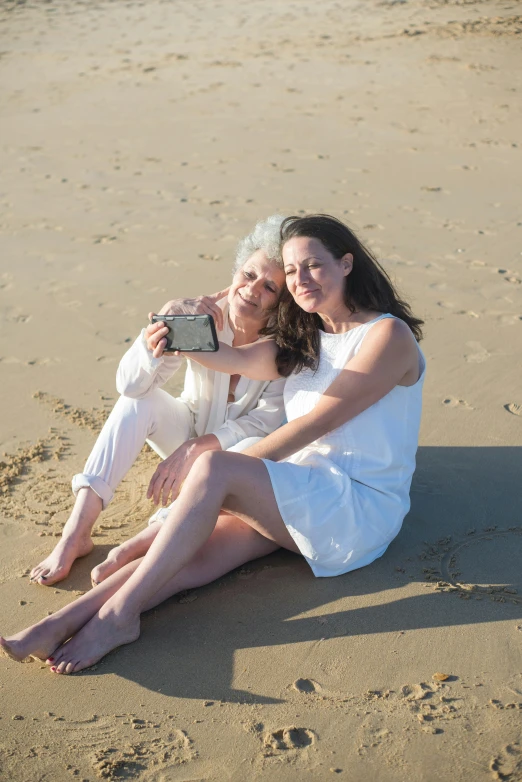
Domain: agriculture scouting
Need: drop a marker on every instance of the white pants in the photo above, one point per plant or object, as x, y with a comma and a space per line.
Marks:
159, 419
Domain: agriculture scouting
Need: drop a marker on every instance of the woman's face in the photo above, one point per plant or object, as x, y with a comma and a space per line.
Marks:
256, 289
314, 277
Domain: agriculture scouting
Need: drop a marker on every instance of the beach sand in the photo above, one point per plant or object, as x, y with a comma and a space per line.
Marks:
139, 142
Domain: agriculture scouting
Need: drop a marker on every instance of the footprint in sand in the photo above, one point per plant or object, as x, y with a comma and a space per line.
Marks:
513, 408
506, 319
306, 686
452, 401
470, 314
289, 738
479, 354
416, 692
110, 747
509, 276
507, 765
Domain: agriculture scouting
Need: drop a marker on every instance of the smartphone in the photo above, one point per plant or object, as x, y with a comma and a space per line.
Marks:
189, 333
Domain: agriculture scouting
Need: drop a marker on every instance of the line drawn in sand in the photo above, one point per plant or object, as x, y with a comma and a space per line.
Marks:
467, 568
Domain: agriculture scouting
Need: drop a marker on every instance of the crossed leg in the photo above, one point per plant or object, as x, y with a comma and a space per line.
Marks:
231, 544
239, 484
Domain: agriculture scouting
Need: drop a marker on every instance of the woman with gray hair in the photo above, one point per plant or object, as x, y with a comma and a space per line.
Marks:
214, 412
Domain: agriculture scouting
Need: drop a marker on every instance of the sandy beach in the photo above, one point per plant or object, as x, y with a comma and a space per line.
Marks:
139, 142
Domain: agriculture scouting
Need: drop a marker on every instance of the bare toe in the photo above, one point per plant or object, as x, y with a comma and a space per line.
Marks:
98, 637
95, 575
115, 560
57, 565
57, 656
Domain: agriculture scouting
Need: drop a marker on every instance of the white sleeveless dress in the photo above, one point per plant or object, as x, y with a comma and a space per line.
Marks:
343, 498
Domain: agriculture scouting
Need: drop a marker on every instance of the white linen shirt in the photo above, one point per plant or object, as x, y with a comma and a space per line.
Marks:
259, 411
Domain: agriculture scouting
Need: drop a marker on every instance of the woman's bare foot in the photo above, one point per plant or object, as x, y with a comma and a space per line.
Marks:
58, 564
39, 640
125, 553
76, 539
105, 632
116, 559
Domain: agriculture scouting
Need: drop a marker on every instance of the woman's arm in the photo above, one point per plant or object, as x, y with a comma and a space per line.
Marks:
145, 367
388, 353
255, 361
139, 372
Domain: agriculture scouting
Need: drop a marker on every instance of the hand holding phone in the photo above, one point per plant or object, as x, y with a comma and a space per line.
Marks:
201, 305
155, 337
184, 333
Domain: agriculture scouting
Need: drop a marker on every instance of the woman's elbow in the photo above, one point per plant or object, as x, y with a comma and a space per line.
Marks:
129, 389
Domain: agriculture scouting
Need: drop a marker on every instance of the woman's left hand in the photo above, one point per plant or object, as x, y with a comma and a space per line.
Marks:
201, 305
170, 474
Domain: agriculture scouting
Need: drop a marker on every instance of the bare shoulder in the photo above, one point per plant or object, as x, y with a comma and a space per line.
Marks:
390, 330
390, 337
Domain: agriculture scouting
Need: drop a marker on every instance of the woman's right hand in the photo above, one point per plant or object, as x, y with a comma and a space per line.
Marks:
155, 337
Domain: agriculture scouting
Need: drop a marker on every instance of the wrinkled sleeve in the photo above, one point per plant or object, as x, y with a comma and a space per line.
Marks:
267, 416
139, 372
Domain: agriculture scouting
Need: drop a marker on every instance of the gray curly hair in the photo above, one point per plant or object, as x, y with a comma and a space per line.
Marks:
266, 236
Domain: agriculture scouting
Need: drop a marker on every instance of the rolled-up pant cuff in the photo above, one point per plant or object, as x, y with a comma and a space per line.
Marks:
99, 487
161, 514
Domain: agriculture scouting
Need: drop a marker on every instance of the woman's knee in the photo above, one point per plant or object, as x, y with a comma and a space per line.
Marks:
127, 406
210, 465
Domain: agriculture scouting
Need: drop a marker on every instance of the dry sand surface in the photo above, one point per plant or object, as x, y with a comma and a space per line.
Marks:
139, 141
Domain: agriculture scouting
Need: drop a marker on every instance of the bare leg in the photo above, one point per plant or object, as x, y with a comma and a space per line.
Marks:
126, 552
41, 639
232, 544
236, 482
75, 541
158, 417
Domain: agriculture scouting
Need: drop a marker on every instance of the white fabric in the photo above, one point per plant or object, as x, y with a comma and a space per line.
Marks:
159, 419
144, 412
256, 413
343, 498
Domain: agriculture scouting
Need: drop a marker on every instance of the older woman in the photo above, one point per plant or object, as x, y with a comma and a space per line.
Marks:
214, 412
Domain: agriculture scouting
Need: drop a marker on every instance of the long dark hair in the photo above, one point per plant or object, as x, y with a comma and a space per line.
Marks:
368, 286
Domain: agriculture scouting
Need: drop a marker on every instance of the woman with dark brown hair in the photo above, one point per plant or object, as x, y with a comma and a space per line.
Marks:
332, 484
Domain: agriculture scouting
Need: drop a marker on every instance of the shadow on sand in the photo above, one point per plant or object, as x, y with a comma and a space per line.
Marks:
455, 491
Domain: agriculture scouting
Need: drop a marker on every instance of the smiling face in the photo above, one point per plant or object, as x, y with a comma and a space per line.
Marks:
255, 289
314, 277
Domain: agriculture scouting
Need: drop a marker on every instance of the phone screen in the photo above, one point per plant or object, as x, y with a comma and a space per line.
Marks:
189, 333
